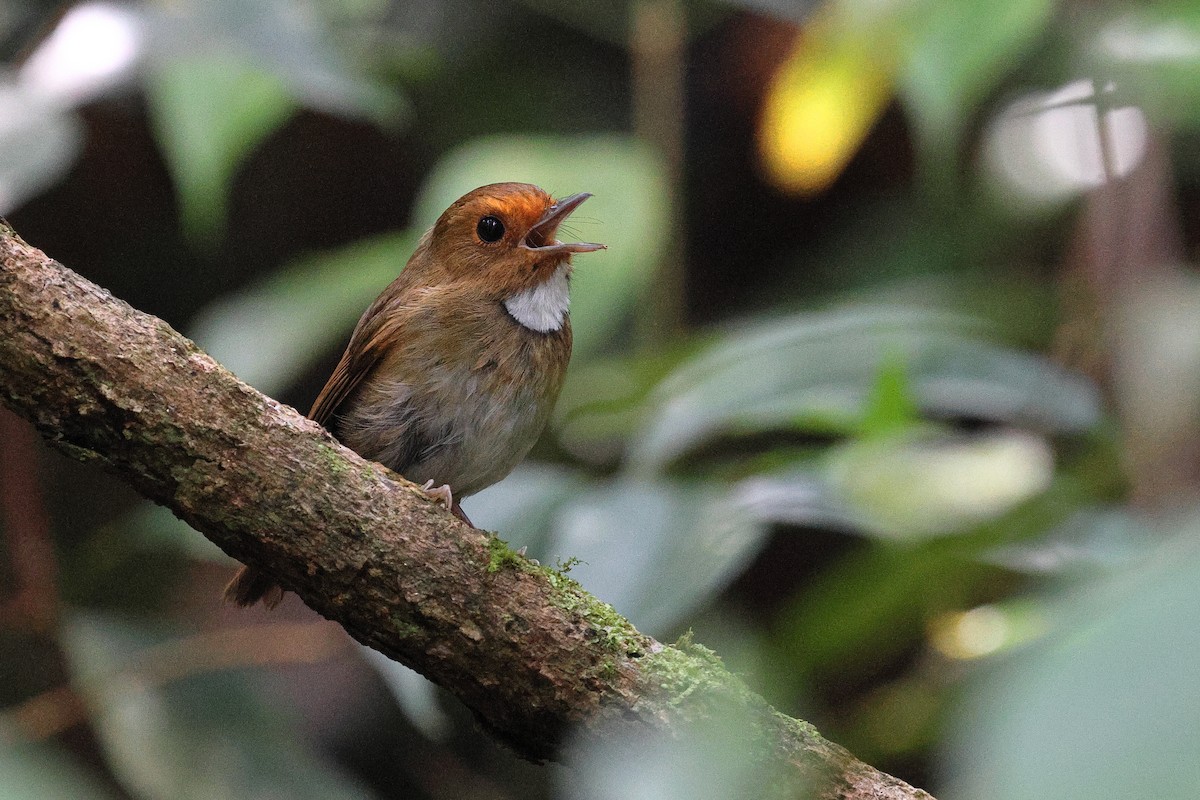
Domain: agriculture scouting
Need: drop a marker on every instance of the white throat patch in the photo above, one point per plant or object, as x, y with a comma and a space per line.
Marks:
544, 307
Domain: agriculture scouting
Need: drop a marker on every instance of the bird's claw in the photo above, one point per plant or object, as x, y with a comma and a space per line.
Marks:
441, 494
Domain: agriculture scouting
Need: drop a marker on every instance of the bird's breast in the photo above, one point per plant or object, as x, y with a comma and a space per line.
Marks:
463, 401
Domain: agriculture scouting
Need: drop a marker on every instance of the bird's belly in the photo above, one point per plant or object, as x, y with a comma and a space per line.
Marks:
468, 430
487, 438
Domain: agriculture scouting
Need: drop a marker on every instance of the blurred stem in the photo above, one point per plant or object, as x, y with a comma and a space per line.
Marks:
658, 40
55, 711
1127, 237
34, 604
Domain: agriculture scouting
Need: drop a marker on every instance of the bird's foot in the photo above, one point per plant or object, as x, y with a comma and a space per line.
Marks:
442, 494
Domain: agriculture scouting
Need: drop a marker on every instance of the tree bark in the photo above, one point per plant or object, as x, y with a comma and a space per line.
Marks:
526, 648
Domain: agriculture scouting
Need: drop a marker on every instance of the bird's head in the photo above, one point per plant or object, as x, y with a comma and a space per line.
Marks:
503, 237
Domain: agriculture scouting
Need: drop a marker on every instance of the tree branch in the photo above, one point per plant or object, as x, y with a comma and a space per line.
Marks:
528, 650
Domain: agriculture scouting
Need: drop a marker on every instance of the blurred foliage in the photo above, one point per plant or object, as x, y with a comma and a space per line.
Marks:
195, 736
298, 312
203, 148
1103, 704
881, 485
709, 761
35, 769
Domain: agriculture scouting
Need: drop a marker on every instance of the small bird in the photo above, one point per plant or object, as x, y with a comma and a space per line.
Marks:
451, 374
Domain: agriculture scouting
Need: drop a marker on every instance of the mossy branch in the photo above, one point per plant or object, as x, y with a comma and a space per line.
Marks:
524, 647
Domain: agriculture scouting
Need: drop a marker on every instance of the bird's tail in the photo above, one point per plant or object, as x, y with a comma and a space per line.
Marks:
249, 586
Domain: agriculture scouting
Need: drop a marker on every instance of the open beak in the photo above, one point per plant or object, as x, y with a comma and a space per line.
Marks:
541, 235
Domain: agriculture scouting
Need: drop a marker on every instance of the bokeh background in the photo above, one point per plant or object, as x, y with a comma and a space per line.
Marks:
886, 388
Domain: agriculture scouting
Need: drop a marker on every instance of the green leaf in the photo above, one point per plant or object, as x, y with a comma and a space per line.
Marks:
208, 114
524, 506
294, 40
715, 758
269, 333
956, 52
919, 483
798, 495
38, 143
815, 374
198, 735
1148, 52
628, 213
870, 605
1104, 706
601, 404
655, 550
891, 406
131, 563
1095, 541
38, 770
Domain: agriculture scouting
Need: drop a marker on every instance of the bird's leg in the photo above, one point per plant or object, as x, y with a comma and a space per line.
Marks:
443, 494
456, 509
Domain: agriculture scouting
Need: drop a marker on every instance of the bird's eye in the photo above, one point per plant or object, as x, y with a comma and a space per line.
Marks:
490, 229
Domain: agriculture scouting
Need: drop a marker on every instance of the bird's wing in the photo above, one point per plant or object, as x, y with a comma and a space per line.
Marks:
348, 374
409, 437
365, 350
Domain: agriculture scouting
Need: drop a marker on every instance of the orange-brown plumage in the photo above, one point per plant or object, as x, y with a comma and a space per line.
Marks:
451, 374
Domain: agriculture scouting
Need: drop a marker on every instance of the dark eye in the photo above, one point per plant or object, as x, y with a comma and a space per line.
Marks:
490, 229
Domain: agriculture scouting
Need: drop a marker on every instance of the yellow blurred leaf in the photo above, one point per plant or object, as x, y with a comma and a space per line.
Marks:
822, 102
